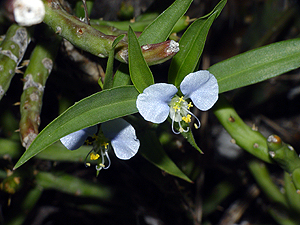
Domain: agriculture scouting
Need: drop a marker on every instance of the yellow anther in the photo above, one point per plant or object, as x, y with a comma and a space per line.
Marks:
190, 105
187, 118
94, 156
88, 142
88, 164
196, 126
181, 130
102, 165
175, 107
95, 137
105, 144
181, 99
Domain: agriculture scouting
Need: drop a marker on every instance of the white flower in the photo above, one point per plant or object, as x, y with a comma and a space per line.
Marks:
159, 101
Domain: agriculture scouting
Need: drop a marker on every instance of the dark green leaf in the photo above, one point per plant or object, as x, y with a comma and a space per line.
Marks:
140, 72
190, 138
160, 29
152, 150
122, 76
191, 46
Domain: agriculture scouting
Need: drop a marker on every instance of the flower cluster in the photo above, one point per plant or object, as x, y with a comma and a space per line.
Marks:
159, 101
118, 132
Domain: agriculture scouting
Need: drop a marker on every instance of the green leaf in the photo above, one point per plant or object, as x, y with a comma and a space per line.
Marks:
152, 150
122, 76
257, 65
97, 108
160, 29
187, 135
190, 138
140, 72
191, 46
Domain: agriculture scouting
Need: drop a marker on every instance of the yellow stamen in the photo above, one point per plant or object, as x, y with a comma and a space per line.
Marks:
190, 105
175, 107
181, 130
187, 118
181, 99
95, 137
105, 144
102, 165
94, 156
196, 126
88, 142
88, 164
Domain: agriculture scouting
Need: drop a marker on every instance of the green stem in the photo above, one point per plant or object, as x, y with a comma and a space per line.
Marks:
244, 136
283, 154
94, 41
261, 174
35, 77
293, 198
12, 50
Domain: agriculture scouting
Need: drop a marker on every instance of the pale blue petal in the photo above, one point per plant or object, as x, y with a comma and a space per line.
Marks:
153, 102
122, 136
202, 88
76, 140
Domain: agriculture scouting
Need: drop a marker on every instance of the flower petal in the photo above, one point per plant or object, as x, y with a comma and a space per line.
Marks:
202, 88
76, 139
153, 102
122, 136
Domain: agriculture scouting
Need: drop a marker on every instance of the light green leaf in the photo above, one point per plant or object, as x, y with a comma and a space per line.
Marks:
160, 29
152, 150
97, 108
140, 73
257, 65
191, 46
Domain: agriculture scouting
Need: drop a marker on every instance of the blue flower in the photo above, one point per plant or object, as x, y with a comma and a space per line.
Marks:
76, 139
159, 101
120, 133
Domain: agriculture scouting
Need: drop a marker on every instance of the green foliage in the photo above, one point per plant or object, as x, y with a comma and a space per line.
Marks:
140, 73
97, 108
160, 29
191, 46
117, 98
257, 65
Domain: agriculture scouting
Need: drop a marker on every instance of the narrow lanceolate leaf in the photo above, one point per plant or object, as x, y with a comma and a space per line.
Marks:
190, 138
160, 29
152, 150
257, 65
191, 46
12, 50
140, 72
97, 108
